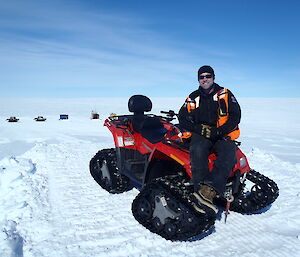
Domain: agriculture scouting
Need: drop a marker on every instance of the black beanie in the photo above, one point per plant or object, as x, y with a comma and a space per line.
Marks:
207, 69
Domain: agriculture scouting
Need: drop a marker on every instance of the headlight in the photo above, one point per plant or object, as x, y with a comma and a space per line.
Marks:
243, 162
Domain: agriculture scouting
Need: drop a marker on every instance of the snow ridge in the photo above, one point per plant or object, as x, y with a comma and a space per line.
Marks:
22, 193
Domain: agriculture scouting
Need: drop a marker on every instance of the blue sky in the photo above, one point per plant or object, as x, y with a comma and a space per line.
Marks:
97, 48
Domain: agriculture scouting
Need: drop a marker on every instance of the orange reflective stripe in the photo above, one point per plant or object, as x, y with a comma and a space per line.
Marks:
234, 134
190, 104
223, 116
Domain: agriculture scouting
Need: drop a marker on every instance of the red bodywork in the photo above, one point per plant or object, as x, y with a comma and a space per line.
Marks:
124, 137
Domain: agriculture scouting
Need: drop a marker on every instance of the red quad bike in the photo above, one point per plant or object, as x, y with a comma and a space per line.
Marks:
151, 156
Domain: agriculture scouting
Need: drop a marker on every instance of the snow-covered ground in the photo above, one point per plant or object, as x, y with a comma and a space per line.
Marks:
51, 206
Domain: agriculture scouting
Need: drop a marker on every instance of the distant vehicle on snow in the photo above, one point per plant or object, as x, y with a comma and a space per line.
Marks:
12, 119
40, 118
63, 116
95, 115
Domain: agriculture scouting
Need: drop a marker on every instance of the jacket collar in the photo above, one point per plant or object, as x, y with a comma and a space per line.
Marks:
215, 87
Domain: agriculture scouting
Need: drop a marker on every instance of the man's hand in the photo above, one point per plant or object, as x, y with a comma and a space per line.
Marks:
209, 132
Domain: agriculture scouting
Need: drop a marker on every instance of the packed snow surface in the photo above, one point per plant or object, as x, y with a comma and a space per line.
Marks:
51, 206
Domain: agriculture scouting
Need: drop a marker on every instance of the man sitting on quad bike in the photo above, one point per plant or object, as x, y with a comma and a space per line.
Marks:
212, 114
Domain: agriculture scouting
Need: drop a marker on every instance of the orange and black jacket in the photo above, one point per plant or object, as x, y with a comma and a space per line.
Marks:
211, 109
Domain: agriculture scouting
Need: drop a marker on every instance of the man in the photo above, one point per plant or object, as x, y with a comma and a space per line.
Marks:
212, 114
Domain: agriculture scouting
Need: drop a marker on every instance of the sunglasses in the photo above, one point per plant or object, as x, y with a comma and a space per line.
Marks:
209, 76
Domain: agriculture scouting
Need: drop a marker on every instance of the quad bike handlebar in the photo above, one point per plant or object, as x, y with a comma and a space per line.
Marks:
170, 115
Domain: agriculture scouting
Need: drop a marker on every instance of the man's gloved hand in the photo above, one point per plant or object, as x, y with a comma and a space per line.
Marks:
209, 132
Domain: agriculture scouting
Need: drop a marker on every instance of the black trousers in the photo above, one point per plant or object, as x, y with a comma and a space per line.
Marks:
200, 148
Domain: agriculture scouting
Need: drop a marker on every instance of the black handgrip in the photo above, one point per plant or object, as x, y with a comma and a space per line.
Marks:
170, 113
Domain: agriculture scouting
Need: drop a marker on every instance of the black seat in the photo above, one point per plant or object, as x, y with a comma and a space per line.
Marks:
150, 127
138, 104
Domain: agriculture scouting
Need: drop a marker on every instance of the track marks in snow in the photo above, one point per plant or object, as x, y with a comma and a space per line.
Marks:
83, 216
70, 215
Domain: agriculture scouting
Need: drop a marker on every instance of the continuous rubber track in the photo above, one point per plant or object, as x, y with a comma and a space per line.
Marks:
264, 192
163, 206
103, 168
